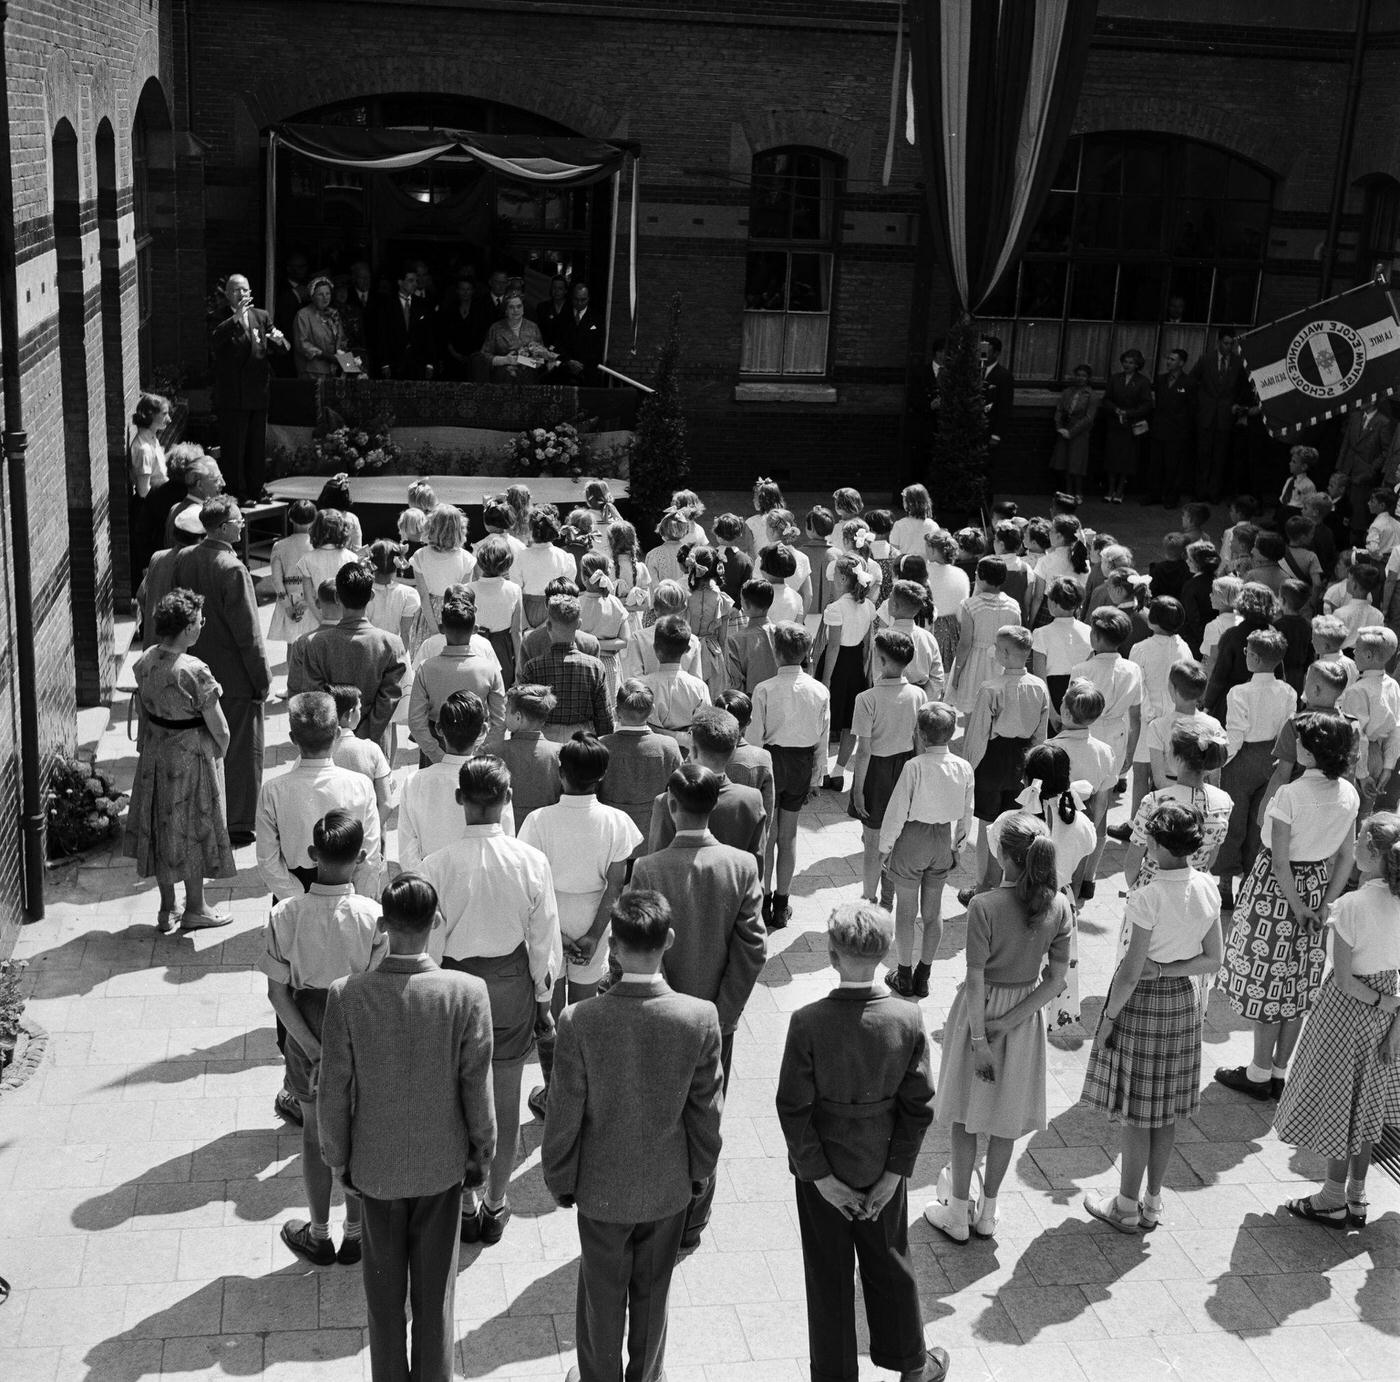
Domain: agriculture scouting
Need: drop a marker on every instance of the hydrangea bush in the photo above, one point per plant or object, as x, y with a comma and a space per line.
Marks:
82, 808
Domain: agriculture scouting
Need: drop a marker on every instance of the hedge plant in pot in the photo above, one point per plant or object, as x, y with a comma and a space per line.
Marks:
11, 1008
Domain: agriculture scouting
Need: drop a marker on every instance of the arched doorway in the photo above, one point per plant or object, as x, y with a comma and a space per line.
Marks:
83, 529
452, 214
113, 367
153, 231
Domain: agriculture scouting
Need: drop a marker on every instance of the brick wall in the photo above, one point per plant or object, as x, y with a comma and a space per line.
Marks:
85, 63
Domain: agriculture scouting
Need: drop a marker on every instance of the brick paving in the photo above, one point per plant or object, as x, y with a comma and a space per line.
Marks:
143, 1178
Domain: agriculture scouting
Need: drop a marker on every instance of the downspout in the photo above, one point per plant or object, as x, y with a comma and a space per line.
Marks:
16, 444
1339, 179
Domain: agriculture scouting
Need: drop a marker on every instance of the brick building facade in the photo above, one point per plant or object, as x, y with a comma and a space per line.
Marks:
140, 130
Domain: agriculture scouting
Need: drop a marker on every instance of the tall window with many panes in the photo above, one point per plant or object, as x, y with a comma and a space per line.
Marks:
145, 242
1146, 241
788, 273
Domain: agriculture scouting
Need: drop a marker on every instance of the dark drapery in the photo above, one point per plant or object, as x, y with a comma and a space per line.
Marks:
995, 85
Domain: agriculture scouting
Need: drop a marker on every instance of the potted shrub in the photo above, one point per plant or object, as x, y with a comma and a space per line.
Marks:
11, 1008
82, 807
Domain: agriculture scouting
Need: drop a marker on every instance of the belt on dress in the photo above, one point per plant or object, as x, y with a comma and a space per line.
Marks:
175, 724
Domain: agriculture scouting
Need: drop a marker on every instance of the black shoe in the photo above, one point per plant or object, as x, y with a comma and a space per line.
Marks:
1086, 890
1122, 833
296, 1234
965, 895
901, 982
471, 1225
768, 910
1237, 1078
538, 1100
780, 913
493, 1223
350, 1252
1276, 1088
1121, 785
834, 783
921, 972
239, 838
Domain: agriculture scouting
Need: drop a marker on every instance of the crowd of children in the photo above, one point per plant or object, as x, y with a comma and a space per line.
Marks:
1024, 675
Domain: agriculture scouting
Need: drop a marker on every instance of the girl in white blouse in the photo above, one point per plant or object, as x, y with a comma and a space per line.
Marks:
1345, 1085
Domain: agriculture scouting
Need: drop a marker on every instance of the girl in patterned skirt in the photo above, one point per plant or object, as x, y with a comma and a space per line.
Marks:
1346, 1082
1276, 950
1145, 1067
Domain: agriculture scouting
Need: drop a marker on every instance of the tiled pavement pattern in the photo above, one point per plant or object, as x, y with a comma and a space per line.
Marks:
143, 1178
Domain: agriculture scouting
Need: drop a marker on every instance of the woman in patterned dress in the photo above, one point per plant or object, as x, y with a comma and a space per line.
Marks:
1277, 948
1345, 1085
175, 826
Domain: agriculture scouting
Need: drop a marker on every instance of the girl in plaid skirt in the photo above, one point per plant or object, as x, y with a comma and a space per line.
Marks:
1276, 950
1145, 1068
1346, 1080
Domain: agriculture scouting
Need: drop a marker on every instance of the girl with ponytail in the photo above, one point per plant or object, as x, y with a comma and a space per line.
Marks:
992, 1078
1145, 1066
1345, 1084
1060, 803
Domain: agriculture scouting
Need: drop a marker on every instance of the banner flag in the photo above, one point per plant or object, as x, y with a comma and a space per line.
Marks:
1317, 364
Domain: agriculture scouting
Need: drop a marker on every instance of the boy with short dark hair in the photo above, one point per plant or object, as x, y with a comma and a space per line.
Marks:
532, 759
1186, 685
641, 760
1203, 561
792, 720
1358, 611
1119, 681
1293, 623
1268, 568
751, 655
311, 941
1383, 536
1090, 760
1194, 518
1169, 575
632, 1126
752, 766
677, 694
376, 1081
363, 756
1299, 558
855, 1098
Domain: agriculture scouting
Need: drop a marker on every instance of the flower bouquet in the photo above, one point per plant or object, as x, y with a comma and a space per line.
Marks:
355, 450
545, 451
82, 806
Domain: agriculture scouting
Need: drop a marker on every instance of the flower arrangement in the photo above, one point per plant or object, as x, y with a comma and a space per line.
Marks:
354, 450
82, 806
11, 999
544, 451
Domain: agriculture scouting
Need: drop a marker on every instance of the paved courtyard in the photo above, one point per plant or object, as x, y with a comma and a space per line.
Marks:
143, 1178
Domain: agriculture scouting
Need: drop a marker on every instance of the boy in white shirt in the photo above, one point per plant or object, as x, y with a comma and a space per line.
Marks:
1186, 683
1329, 636
1358, 611
907, 599
1057, 647
1120, 682
363, 756
1255, 712
678, 694
1374, 701
1383, 536
1091, 761
1298, 486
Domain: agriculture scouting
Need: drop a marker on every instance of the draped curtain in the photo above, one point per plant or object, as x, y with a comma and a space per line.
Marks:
995, 84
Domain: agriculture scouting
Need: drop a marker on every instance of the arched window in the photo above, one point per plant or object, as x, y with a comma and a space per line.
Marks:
788, 276
1380, 227
144, 238
1146, 240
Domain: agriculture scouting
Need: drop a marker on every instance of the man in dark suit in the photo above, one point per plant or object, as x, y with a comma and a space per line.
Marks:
240, 344
496, 287
353, 652
739, 818
231, 644
403, 332
462, 324
356, 314
580, 342
998, 390
380, 1078
631, 1131
294, 293
1360, 465
1173, 428
715, 897
1219, 377
855, 1098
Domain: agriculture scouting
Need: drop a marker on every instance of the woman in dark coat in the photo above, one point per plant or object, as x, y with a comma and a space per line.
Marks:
1128, 400
1257, 608
1074, 424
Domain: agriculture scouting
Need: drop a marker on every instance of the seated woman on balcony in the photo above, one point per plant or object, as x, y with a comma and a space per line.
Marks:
317, 333
514, 347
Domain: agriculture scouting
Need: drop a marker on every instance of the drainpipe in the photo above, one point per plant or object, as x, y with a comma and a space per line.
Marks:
1339, 178
16, 445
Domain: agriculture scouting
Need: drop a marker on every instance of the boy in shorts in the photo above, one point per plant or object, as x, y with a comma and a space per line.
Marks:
792, 720
927, 821
313, 940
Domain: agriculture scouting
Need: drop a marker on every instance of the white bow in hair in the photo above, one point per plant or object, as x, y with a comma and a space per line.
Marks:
1031, 800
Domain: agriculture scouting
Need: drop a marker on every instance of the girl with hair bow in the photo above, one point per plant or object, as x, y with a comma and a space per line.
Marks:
1061, 804
708, 610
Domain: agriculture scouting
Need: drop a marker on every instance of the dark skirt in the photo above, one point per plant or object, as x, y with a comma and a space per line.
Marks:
535, 609
1151, 1076
997, 779
512, 994
504, 647
881, 774
848, 680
